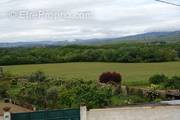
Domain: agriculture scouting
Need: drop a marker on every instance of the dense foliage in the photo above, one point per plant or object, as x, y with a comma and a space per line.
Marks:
44, 92
173, 83
40, 91
66, 95
125, 52
3, 89
164, 82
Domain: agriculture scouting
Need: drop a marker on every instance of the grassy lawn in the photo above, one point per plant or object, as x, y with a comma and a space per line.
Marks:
133, 73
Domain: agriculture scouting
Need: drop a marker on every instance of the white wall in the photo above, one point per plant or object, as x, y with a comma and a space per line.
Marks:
135, 113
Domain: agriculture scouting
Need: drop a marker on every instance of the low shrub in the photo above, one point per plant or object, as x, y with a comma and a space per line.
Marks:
152, 94
172, 83
38, 76
112, 78
109, 77
14, 82
157, 79
6, 100
3, 90
122, 100
163, 82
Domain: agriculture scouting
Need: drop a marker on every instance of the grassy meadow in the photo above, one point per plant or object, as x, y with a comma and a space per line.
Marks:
132, 73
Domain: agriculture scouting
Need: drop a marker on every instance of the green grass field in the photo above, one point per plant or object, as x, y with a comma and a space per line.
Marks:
132, 73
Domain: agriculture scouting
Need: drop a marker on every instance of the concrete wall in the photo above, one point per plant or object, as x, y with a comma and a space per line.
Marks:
135, 113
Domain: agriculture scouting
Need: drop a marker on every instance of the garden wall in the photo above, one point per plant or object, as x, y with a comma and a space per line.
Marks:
133, 113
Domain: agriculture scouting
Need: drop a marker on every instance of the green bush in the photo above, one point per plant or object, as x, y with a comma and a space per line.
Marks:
38, 76
94, 95
157, 79
163, 82
65, 94
3, 90
14, 82
172, 83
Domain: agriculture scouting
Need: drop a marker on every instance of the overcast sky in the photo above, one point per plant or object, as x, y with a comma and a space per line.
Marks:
107, 18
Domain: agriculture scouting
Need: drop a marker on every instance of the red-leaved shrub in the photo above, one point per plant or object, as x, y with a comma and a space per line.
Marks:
109, 77
112, 78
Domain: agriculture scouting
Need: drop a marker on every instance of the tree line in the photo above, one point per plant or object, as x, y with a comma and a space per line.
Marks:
124, 52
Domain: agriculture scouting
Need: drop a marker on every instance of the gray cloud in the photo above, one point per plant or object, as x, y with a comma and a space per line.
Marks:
109, 19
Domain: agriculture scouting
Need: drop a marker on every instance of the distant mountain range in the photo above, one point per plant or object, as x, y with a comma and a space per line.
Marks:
155, 36
147, 37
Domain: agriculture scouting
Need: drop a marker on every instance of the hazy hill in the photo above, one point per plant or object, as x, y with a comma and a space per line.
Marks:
147, 37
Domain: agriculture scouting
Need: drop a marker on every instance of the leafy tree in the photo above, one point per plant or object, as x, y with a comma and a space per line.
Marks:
128, 53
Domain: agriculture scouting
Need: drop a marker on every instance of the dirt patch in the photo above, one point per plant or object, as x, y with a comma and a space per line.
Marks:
14, 108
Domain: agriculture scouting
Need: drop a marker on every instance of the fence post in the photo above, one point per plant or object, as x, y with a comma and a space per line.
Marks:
7, 116
83, 113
